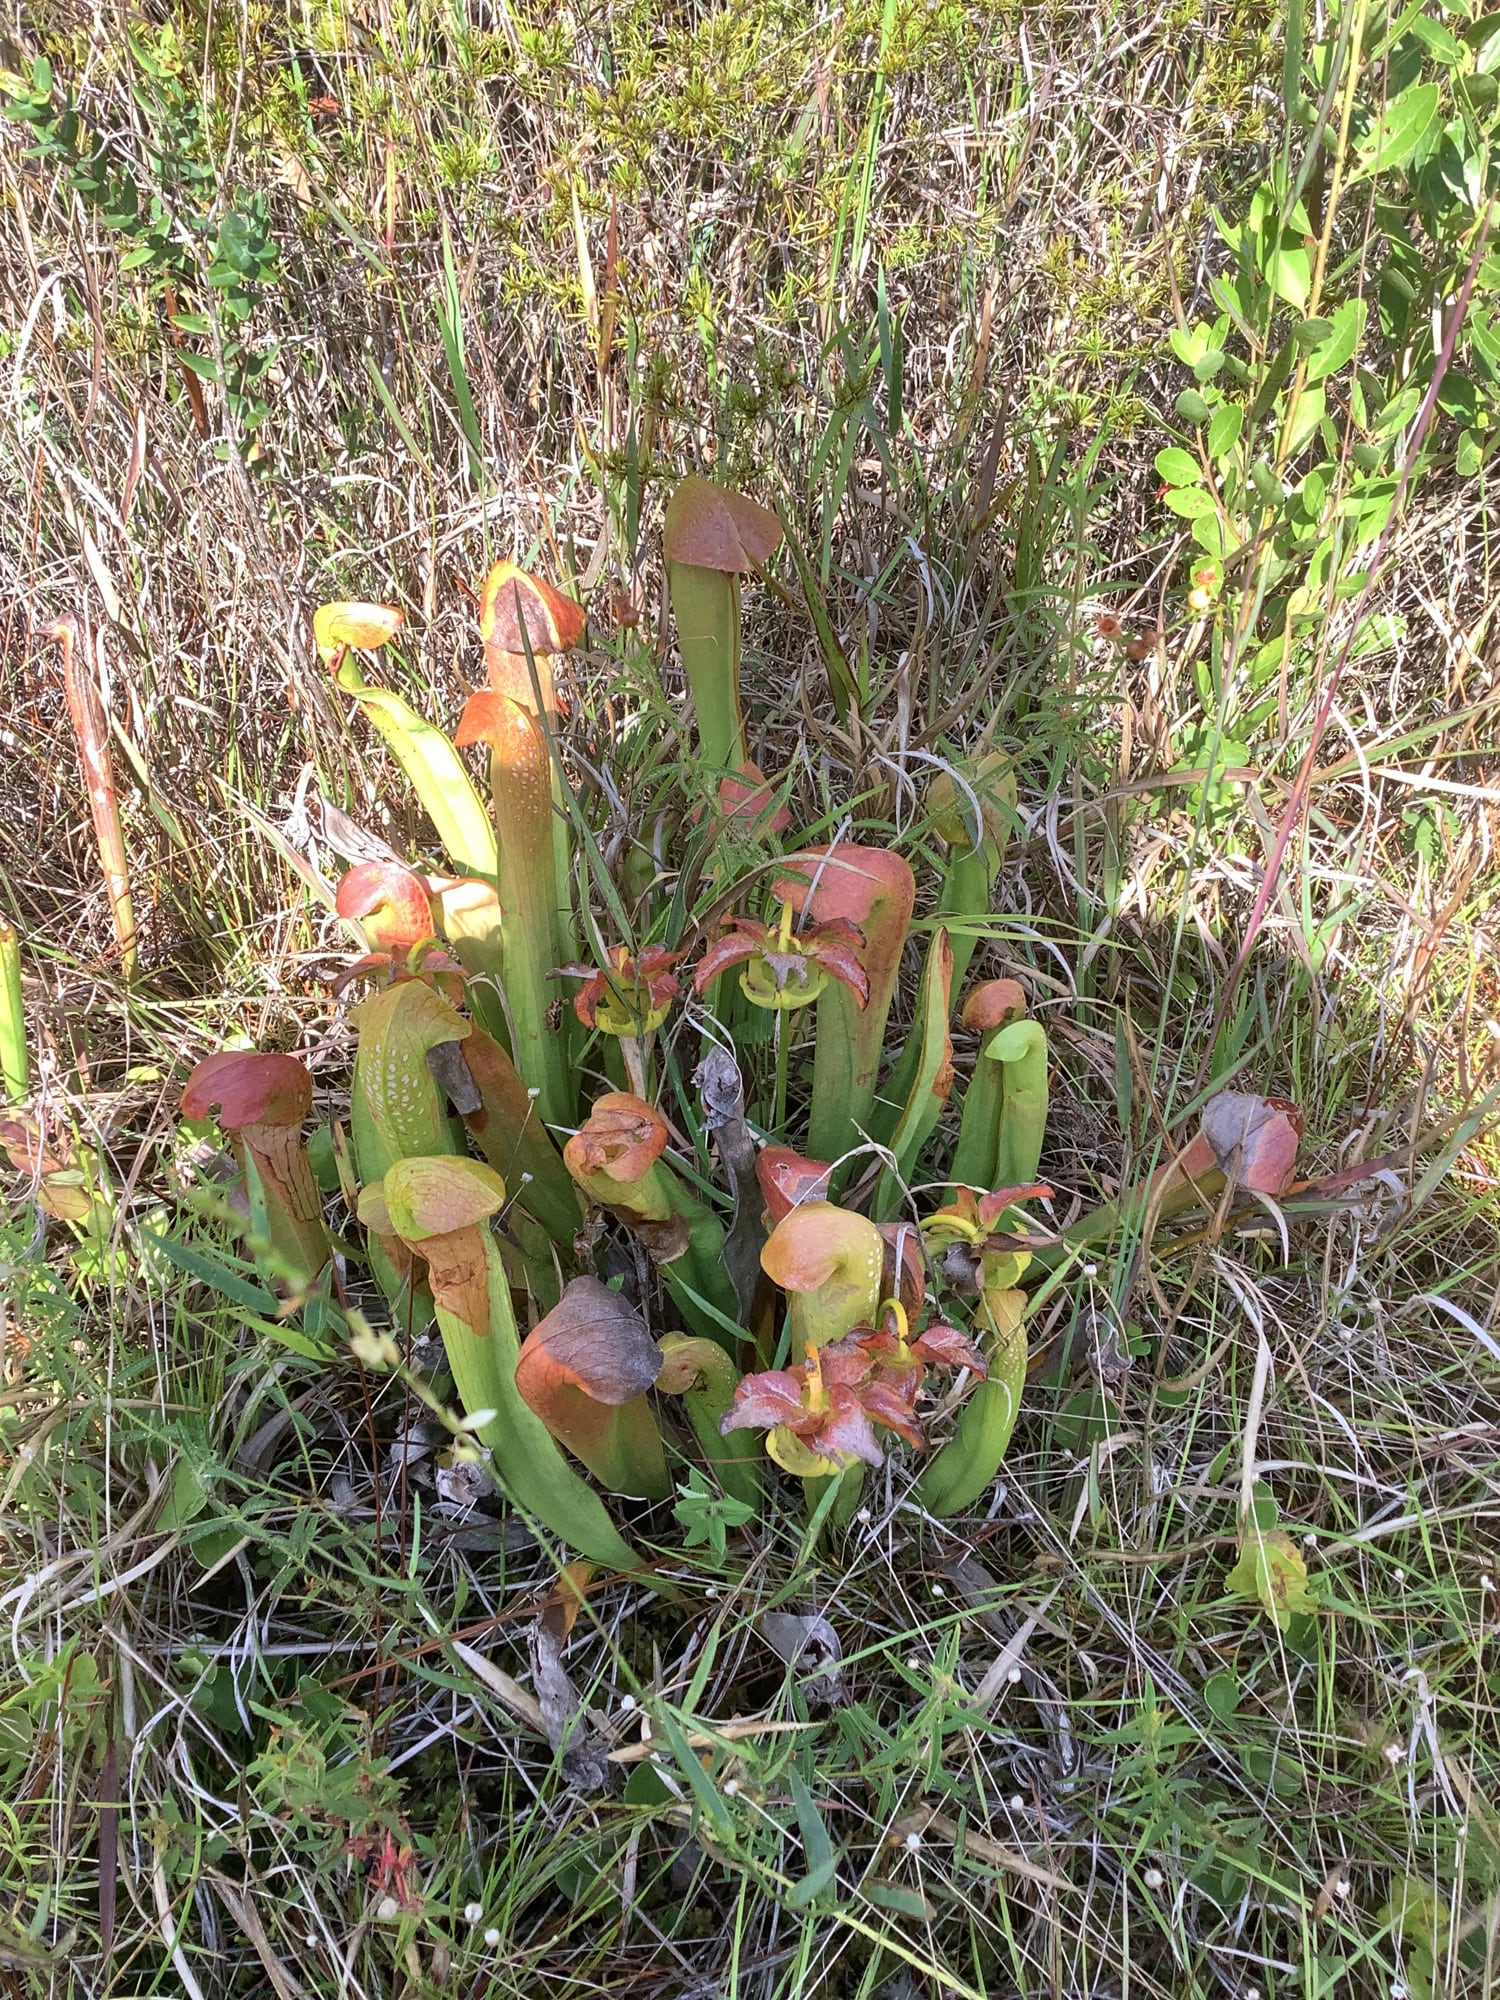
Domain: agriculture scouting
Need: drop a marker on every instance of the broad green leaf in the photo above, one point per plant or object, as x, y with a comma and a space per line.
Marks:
1271, 1573
905, 1902
812, 1886
1212, 536
1189, 502
1179, 467
1192, 408
1221, 1691
1224, 430
1310, 411
1266, 484
1288, 271
646, 1787
1445, 46
1338, 345
1368, 508
1402, 128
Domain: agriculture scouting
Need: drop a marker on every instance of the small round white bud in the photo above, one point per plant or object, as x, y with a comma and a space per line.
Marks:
473, 1914
1014, 1676
1016, 1803
1091, 1270
938, 1590
731, 1788
629, 1703
864, 1517
913, 1842
1393, 1753
1342, 1887
492, 1937
1153, 1878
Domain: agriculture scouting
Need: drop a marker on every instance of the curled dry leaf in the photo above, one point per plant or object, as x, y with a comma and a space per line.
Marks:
389, 901
440, 1193
621, 1140
711, 527
993, 1004
24, 1149
61, 1190
366, 627
582, 1754
722, 1091
517, 610
592, 1340
806, 1641
787, 1180
248, 1089
584, 1370
1254, 1139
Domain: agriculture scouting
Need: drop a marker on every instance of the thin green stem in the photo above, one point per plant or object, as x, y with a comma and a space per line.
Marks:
15, 1068
778, 1108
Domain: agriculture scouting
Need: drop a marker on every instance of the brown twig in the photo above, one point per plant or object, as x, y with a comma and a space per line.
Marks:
90, 726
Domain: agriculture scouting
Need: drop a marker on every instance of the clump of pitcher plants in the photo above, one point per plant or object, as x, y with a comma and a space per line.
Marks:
817, 1260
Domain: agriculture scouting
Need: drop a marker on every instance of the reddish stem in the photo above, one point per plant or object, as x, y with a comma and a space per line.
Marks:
90, 726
